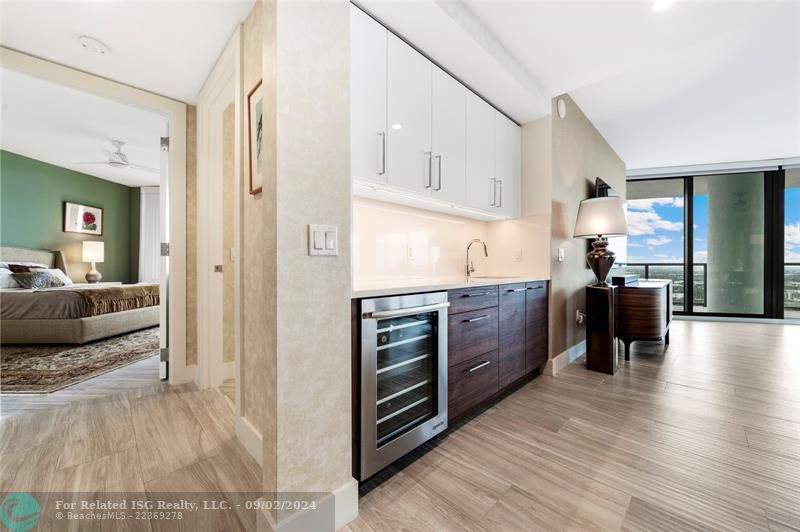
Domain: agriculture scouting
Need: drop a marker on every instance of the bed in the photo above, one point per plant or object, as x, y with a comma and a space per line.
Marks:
73, 314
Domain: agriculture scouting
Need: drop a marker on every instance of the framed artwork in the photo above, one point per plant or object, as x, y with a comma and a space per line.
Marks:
83, 219
255, 113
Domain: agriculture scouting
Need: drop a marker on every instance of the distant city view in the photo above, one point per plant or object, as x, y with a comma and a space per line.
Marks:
654, 247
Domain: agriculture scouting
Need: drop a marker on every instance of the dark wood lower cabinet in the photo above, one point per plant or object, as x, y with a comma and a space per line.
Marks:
512, 333
493, 347
536, 326
470, 383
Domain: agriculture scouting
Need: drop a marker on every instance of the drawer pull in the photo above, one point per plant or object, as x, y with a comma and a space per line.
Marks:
479, 366
476, 295
534, 287
516, 289
479, 318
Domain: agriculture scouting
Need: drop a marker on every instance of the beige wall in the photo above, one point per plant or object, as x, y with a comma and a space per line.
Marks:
228, 218
313, 444
579, 154
254, 302
191, 235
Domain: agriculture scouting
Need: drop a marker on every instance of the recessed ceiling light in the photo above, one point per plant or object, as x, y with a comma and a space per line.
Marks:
661, 5
92, 45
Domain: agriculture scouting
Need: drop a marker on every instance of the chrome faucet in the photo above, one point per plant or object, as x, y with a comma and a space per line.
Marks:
470, 266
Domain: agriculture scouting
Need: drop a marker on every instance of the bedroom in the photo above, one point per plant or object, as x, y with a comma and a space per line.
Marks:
80, 233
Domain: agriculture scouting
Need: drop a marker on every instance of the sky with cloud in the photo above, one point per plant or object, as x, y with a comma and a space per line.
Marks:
655, 229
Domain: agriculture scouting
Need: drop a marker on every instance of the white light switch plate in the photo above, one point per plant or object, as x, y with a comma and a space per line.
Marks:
323, 240
561, 254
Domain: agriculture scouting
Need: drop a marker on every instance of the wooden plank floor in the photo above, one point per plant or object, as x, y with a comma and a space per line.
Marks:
702, 436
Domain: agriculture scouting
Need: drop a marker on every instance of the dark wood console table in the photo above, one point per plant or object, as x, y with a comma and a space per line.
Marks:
642, 311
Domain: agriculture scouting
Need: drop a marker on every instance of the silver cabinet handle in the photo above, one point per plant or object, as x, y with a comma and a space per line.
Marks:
493, 181
428, 177
534, 287
500, 203
479, 366
380, 314
516, 289
475, 295
479, 318
381, 153
439, 172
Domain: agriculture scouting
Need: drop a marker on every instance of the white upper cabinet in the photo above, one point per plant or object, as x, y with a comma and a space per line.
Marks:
419, 137
409, 112
508, 163
448, 137
368, 140
480, 147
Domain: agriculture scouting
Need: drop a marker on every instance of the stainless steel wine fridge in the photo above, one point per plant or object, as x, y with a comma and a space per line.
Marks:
403, 376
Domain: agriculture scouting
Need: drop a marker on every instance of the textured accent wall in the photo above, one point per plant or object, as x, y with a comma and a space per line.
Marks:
228, 192
579, 154
191, 235
31, 204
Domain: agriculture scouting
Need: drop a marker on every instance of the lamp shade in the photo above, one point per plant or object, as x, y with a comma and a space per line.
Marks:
601, 216
93, 251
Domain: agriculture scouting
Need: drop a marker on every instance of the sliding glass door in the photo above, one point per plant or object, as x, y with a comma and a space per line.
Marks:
656, 213
729, 242
791, 245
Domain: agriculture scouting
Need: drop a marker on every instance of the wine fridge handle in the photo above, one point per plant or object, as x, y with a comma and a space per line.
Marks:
382, 314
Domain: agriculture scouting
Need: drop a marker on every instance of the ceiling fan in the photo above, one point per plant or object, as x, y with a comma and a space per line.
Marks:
117, 159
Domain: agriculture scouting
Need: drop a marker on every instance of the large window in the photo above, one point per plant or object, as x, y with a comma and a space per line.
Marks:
791, 243
728, 229
656, 232
730, 242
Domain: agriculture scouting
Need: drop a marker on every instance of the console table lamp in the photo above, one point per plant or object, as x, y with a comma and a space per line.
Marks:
93, 252
600, 218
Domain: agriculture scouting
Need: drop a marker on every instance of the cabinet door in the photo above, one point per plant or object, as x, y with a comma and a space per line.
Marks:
479, 154
367, 97
448, 137
535, 325
512, 333
409, 118
508, 165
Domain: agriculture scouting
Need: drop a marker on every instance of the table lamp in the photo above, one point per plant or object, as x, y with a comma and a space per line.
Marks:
93, 252
600, 218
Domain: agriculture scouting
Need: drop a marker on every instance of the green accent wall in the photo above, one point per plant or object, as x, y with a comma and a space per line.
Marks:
32, 195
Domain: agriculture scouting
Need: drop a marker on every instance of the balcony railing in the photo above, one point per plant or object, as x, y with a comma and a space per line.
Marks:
674, 271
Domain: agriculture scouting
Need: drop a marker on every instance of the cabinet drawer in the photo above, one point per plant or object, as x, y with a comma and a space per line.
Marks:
466, 299
470, 383
470, 334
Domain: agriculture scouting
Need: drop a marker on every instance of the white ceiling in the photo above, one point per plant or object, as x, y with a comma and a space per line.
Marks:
700, 82
63, 126
166, 47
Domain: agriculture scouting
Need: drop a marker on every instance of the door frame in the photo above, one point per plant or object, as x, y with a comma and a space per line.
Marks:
175, 113
225, 76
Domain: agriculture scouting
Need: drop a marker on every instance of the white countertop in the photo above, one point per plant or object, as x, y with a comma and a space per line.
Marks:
398, 287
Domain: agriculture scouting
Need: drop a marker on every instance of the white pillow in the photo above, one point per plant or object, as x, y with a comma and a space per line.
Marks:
56, 273
6, 279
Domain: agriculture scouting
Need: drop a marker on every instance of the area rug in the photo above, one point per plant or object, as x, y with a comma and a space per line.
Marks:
47, 368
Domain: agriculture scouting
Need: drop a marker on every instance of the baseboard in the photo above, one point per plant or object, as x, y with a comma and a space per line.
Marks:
250, 438
229, 370
331, 511
562, 360
183, 376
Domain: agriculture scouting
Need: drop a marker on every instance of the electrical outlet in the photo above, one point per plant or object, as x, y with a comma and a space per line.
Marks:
579, 316
410, 253
562, 254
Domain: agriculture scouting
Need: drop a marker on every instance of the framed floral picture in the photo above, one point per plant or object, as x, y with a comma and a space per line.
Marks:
255, 113
83, 219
